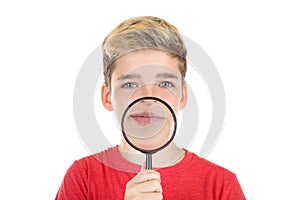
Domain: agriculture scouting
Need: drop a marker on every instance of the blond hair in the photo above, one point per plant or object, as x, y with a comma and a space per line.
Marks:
141, 33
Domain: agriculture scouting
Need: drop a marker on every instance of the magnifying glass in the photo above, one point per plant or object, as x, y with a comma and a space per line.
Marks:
148, 125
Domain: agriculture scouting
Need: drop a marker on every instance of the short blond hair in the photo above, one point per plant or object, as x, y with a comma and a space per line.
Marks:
141, 33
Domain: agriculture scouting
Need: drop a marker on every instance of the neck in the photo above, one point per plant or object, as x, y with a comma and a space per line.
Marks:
171, 155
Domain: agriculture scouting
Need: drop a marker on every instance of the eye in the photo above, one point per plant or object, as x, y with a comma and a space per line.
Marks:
129, 85
166, 84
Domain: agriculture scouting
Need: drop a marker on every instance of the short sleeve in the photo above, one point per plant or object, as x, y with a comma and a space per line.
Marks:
73, 186
233, 190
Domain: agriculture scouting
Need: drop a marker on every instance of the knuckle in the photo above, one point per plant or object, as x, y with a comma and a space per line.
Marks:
157, 185
159, 196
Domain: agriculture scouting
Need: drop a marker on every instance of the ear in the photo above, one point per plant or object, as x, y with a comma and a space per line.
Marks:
183, 99
106, 97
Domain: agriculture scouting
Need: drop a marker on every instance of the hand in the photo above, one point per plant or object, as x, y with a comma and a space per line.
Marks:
145, 185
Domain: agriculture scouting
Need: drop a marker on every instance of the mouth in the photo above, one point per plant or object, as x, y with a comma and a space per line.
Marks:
146, 118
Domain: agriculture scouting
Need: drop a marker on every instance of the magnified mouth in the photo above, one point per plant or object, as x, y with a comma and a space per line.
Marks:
146, 118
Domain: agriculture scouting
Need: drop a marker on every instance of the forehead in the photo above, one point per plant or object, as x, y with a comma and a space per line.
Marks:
134, 60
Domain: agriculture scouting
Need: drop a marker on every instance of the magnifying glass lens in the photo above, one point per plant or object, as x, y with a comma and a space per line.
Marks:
148, 124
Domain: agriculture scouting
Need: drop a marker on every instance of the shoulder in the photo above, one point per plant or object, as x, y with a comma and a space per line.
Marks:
109, 159
93, 161
223, 181
101, 156
208, 168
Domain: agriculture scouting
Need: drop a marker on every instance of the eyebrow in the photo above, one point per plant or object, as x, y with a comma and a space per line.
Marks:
129, 76
166, 75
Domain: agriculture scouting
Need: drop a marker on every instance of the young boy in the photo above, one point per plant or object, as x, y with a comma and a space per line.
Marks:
146, 57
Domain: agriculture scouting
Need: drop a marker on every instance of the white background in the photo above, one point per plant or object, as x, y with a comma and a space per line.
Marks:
255, 46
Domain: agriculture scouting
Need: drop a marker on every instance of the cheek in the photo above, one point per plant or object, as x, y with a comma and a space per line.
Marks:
171, 98
120, 101
122, 97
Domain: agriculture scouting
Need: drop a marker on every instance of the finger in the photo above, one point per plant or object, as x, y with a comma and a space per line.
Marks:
146, 175
152, 196
143, 167
152, 186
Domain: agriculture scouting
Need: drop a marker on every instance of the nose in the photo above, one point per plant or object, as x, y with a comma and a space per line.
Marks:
148, 90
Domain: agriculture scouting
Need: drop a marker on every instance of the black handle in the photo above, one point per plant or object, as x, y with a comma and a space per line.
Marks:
148, 161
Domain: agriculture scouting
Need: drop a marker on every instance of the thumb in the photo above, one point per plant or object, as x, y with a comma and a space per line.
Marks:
143, 167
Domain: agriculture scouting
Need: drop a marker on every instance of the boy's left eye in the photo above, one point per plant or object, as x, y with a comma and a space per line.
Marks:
166, 84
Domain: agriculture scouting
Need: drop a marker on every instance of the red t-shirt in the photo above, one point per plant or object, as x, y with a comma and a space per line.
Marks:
104, 176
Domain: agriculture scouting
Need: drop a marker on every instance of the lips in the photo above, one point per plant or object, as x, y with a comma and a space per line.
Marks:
145, 118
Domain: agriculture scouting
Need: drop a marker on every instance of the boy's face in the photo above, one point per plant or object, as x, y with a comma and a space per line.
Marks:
145, 73
142, 74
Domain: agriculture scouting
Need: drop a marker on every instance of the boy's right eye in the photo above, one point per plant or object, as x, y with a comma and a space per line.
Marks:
129, 85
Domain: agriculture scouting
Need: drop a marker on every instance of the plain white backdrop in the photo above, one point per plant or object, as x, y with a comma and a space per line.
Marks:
255, 46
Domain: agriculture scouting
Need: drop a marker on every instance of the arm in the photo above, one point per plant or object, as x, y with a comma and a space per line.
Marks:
73, 186
233, 190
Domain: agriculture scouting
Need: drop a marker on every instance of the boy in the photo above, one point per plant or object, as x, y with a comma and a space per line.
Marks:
146, 57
